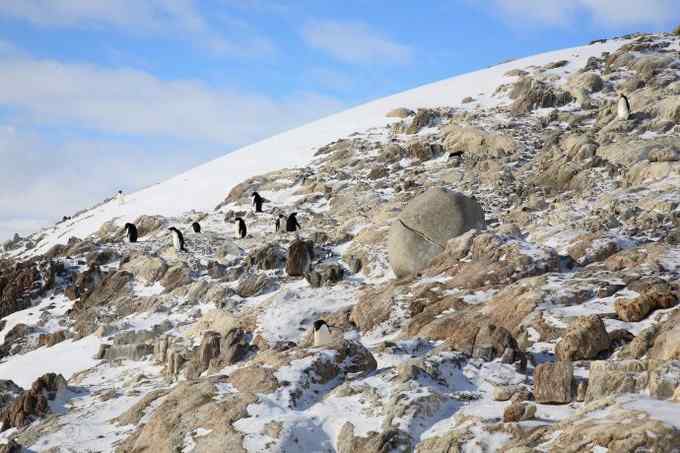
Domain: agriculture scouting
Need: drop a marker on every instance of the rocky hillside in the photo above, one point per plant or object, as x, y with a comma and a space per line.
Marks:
500, 274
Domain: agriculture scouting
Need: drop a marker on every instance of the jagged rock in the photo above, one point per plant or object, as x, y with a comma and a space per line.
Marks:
655, 295
189, 406
391, 440
147, 224
300, 256
530, 94
114, 286
664, 380
518, 412
426, 224
494, 342
421, 151
255, 379
392, 152
607, 378
422, 119
585, 339
149, 269
268, 257
553, 382
505, 392
51, 339
327, 275
665, 344
126, 351
176, 276
33, 403
9, 391
253, 285
85, 282
478, 144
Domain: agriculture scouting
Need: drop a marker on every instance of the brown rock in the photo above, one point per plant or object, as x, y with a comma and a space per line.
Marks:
553, 382
585, 338
300, 256
32, 403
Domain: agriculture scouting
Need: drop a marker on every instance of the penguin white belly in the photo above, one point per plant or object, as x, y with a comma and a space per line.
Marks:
175, 241
623, 112
236, 232
322, 336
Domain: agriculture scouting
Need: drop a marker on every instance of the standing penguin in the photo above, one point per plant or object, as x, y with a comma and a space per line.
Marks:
292, 224
257, 201
131, 232
277, 224
322, 333
623, 111
120, 197
241, 229
196, 227
177, 239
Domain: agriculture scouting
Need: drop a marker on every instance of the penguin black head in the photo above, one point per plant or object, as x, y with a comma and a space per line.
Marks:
173, 229
128, 226
319, 323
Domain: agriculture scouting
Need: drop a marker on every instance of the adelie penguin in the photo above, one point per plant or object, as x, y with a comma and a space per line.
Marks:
277, 224
241, 229
322, 333
292, 224
257, 201
131, 232
623, 111
196, 227
177, 239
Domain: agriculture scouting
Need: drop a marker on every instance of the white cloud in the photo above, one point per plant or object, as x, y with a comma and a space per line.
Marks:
354, 42
127, 101
605, 12
179, 19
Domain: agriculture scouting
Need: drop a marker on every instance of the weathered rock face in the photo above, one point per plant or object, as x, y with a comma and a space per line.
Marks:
654, 294
426, 224
401, 112
611, 378
148, 224
149, 269
530, 94
388, 441
253, 285
21, 282
477, 144
553, 382
33, 403
9, 391
268, 257
176, 276
585, 338
300, 255
327, 275
85, 282
189, 406
664, 380
519, 411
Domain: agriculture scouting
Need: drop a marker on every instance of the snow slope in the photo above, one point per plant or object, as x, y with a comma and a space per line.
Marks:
204, 187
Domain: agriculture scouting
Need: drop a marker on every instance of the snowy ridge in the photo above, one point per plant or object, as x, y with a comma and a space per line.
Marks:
204, 187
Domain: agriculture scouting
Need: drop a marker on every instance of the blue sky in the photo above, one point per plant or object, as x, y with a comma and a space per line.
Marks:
97, 95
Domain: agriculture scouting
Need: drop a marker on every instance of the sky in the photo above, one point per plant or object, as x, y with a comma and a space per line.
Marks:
102, 95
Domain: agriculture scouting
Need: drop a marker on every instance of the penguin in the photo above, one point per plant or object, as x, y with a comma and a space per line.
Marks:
241, 229
257, 201
322, 333
131, 232
623, 108
121, 198
292, 224
277, 224
177, 239
196, 227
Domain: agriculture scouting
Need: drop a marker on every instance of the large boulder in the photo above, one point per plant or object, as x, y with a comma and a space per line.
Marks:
34, 402
553, 382
149, 269
585, 338
426, 224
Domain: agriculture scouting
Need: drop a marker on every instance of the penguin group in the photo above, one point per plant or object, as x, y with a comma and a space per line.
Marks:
290, 223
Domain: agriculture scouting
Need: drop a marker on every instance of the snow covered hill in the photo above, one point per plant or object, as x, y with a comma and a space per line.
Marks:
205, 186
534, 309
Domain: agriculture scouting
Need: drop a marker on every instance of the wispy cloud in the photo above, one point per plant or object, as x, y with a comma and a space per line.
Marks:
171, 19
128, 101
354, 42
605, 12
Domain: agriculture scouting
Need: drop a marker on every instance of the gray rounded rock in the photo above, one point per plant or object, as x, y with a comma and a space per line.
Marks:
426, 224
